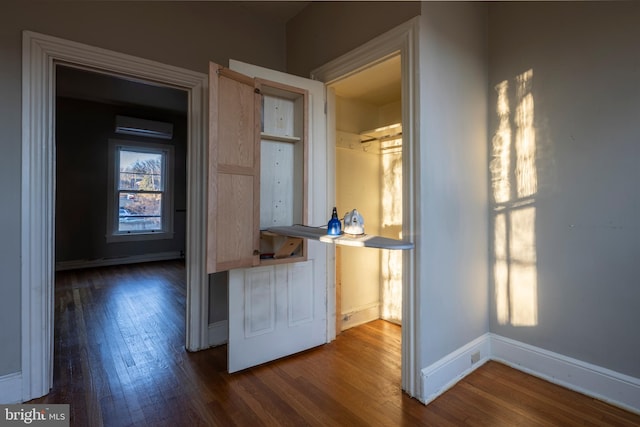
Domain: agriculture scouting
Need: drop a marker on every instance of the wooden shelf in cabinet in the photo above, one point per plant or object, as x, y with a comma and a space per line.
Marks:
279, 138
279, 249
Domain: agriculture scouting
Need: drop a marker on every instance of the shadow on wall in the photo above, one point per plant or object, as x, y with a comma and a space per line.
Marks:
514, 182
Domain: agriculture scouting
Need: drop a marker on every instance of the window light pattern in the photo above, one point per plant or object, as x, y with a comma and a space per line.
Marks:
514, 185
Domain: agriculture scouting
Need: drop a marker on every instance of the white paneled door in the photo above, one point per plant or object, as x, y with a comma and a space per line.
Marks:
274, 311
279, 310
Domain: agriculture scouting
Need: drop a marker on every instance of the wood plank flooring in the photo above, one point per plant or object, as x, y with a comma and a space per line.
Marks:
120, 361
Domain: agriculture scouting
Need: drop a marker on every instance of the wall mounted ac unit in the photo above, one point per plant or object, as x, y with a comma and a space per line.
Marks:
141, 127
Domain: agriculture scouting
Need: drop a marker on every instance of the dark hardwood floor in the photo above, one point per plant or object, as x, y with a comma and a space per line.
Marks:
120, 361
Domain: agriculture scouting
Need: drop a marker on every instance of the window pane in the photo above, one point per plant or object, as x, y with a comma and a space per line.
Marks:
140, 212
140, 171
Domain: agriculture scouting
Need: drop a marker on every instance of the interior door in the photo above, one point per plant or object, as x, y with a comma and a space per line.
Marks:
279, 310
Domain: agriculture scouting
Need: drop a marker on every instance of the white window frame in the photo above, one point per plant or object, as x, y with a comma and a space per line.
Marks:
166, 232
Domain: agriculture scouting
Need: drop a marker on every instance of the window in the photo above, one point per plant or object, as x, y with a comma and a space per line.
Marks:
140, 200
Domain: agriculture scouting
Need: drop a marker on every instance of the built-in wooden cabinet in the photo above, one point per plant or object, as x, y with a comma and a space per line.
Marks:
257, 170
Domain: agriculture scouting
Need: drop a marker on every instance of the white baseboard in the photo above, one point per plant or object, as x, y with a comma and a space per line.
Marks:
11, 388
218, 333
594, 381
601, 383
104, 262
446, 372
360, 316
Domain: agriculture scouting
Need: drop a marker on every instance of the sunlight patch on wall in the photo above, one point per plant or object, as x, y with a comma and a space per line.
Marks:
391, 289
391, 308
523, 268
392, 183
500, 165
501, 269
526, 175
514, 185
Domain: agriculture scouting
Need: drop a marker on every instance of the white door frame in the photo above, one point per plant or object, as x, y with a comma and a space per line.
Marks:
404, 40
39, 55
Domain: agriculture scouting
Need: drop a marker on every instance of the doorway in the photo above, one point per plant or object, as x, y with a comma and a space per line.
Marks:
403, 41
368, 155
40, 54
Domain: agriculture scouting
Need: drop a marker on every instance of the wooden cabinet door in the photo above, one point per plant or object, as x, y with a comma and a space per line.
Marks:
233, 236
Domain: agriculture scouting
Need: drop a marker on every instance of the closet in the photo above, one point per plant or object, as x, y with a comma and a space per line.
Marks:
369, 178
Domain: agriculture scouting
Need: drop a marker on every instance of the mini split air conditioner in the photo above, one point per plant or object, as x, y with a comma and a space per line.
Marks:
142, 127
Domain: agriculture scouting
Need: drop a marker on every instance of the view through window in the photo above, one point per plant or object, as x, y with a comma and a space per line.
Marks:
141, 195
140, 188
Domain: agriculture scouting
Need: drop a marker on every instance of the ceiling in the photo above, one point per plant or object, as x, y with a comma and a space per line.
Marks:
279, 11
379, 84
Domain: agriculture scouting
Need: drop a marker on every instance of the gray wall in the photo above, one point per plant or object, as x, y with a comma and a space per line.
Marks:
83, 130
452, 202
185, 34
325, 30
218, 297
585, 67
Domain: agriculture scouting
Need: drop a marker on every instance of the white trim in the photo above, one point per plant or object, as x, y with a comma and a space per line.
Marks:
330, 106
446, 372
120, 260
595, 381
218, 333
404, 40
360, 315
39, 55
10, 388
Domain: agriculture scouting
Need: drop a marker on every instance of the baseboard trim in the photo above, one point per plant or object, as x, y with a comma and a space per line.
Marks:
594, 381
104, 262
600, 383
11, 388
360, 316
218, 333
446, 372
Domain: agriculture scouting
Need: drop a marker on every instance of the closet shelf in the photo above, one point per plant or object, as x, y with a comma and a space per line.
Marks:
383, 133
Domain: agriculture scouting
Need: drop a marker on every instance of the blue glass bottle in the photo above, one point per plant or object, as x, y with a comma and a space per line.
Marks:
334, 226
